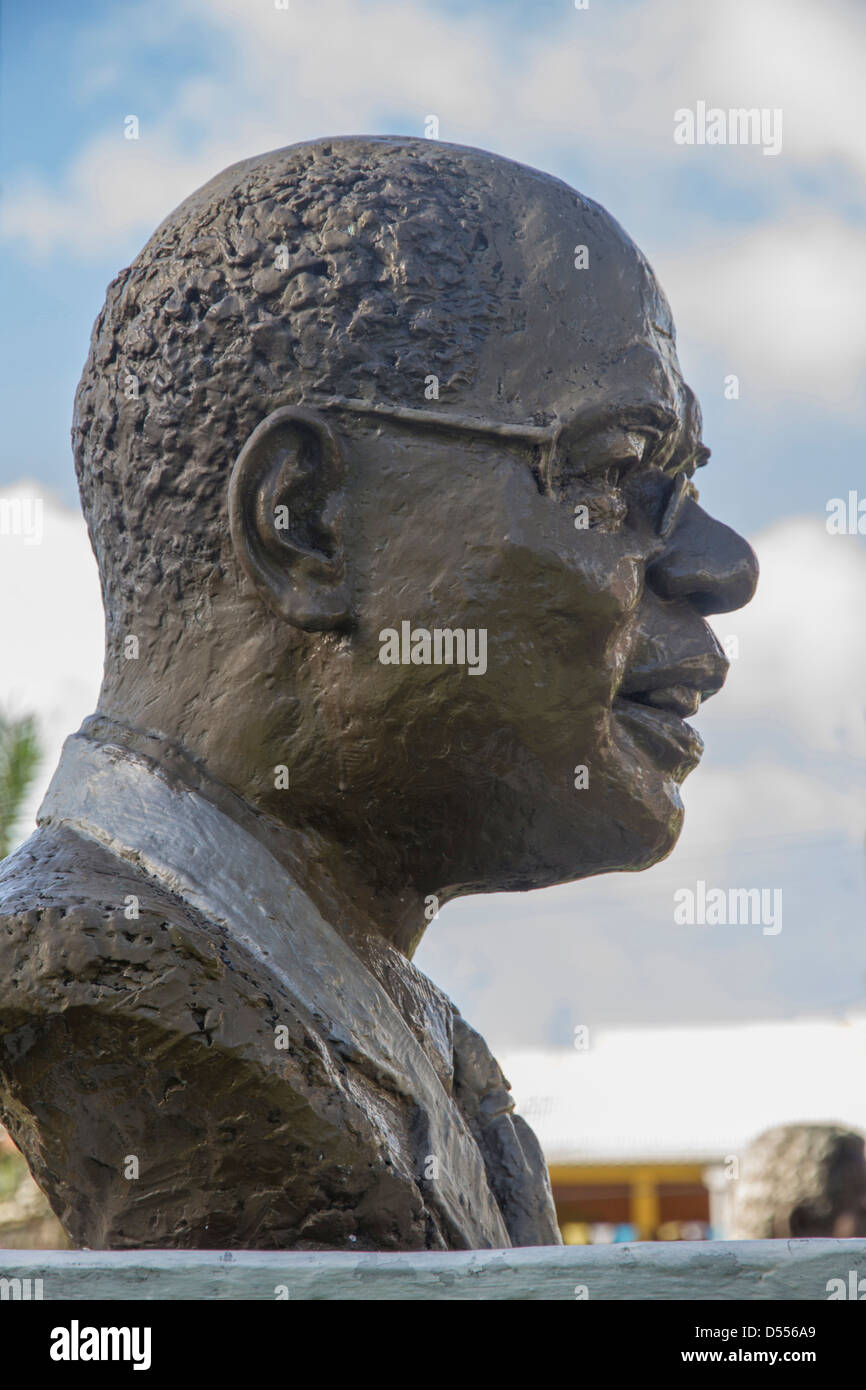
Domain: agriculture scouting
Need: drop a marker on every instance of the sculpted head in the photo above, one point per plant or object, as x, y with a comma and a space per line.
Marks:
358, 391
802, 1181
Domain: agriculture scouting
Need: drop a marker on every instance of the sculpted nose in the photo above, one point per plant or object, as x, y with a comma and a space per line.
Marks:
705, 562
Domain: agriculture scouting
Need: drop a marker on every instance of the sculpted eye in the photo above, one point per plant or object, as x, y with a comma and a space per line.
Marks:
617, 452
605, 460
592, 478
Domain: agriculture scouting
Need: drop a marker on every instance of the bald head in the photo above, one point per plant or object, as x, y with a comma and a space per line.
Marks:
364, 267
366, 384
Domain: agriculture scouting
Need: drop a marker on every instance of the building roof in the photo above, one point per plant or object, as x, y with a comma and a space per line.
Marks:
686, 1094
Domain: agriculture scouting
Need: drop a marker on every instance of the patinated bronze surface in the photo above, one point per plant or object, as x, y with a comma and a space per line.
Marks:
387, 463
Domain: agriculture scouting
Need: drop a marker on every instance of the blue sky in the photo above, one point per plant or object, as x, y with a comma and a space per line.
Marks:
762, 259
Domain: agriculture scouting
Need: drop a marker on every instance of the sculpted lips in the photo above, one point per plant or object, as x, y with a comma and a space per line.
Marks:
654, 702
680, 699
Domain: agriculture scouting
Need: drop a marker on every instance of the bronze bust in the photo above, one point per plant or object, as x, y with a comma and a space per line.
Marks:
388, 464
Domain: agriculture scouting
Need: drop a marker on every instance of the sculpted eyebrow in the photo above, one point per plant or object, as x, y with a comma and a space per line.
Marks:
678, 447
658, 418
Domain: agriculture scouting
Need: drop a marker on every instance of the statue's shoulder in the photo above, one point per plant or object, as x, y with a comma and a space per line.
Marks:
76, 921
114, 987
134, 1028
58, 868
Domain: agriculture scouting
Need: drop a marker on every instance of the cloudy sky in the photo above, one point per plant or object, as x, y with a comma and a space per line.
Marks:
762, 259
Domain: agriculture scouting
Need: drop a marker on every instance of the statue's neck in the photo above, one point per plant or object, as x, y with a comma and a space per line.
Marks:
316, 865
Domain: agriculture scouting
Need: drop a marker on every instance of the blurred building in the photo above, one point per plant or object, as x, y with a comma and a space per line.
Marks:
643, 1128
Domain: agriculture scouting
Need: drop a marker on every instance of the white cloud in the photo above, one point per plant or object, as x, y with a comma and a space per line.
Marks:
610, 82
766, 804
783, 306
802, 662
112, 187
50, 628
791, 54
294, 78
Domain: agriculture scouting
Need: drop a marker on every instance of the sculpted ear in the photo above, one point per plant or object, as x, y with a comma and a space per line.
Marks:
286, 514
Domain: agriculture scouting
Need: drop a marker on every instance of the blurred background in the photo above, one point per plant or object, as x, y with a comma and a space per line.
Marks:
645, 1053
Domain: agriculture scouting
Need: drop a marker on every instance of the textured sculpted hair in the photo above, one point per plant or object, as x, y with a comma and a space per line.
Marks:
319, 267
794, 1168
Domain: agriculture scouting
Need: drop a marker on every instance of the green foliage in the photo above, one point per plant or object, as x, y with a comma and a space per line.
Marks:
19, 759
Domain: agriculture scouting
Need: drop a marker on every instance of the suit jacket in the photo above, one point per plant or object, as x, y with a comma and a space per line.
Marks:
190, 1055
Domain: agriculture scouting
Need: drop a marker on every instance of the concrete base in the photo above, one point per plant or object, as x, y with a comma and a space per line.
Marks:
804, 1270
